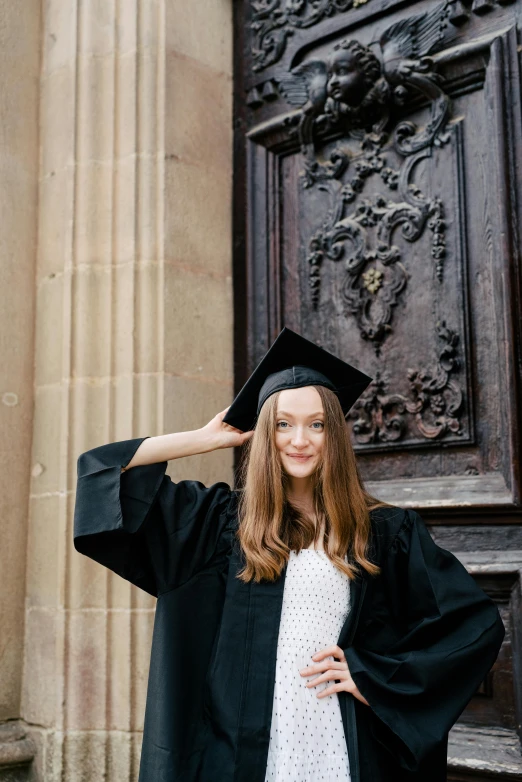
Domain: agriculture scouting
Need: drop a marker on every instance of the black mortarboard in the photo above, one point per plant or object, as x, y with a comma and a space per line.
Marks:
292, 362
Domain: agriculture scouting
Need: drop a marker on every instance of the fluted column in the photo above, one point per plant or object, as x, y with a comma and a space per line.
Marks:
133, 335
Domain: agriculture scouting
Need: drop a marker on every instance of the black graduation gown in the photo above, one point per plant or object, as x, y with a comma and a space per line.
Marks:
419, 638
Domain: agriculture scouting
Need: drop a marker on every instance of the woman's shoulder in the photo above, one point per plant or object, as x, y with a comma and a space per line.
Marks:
389, 515
387, 522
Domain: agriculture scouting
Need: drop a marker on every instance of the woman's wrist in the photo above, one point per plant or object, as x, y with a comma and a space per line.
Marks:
206, 441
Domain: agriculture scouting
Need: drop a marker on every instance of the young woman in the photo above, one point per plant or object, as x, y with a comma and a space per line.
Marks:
304, 631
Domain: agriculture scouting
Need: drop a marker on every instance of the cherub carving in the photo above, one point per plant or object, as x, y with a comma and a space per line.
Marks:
357, 89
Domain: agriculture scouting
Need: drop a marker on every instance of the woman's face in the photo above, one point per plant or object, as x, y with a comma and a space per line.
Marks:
299, 435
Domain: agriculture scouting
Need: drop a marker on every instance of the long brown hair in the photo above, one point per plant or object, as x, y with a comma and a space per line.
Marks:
270, 526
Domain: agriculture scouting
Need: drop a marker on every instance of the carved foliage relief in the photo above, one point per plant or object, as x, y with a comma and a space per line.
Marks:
274, 21
376, 207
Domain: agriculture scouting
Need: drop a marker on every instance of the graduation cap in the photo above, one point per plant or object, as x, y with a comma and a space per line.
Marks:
292, 362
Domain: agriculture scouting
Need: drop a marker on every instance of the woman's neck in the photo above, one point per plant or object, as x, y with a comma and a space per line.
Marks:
299, 492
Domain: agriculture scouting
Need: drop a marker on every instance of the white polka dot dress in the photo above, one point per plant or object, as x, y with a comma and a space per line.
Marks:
307, 742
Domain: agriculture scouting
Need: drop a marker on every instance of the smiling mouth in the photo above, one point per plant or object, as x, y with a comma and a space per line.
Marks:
299, 457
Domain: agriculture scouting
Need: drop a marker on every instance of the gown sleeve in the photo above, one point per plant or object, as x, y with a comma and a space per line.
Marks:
151, 531
436, 638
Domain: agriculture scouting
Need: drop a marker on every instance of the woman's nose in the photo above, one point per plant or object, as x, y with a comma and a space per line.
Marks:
299, 436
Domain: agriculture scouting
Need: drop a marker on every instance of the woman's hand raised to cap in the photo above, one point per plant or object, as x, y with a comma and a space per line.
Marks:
224, 435
216, 434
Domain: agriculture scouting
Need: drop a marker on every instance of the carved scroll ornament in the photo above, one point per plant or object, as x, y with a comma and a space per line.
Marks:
359, 232
274, 21
356, 93
432, 405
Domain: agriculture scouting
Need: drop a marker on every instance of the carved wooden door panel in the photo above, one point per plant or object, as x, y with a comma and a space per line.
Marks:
378, 212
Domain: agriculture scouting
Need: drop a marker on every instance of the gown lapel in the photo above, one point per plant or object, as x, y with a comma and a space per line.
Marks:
346, 701
265, 601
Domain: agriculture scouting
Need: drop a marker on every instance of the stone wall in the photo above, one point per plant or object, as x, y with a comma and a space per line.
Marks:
19, 71
133, 334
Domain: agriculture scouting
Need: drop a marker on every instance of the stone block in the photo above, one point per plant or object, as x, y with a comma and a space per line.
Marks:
92, 296
89, 418
147, 406
198, 217
123, 401
43, 666
49, 337
46, 545
124, 210
88, 581
123, 292
97, 22
201, 30
55, 223
57, 118
95, 108
103, 411
120, 669
150, 102
142, 627
198, 325
142, 601
58, 35
149, 208
85, 757
17, 751
48, 473
126, 28
191, 402
87, 675
39, 739
119, 755
94, 213
198, 122
148, 352
126, 129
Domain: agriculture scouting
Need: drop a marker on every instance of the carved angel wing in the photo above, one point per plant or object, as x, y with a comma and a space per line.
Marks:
306, 84
418, 36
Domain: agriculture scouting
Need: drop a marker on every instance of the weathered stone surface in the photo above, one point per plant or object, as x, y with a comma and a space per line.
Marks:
133, 335
205, 302
195, 198
202, 31
206, 118
19, 73
17, 751
486, 752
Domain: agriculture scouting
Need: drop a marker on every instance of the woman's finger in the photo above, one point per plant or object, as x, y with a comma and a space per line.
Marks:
319, 667
330, 690
327, 676
334, 650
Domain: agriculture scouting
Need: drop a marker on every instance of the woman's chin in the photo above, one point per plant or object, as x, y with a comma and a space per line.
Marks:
299, 470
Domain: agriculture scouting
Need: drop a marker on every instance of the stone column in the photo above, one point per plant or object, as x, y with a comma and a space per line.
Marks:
134, 332
19, 72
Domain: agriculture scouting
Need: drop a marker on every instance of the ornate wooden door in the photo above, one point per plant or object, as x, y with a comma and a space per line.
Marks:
378, 212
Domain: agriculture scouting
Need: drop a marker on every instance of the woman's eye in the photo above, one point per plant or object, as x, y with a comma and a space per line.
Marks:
318, 424
282, 424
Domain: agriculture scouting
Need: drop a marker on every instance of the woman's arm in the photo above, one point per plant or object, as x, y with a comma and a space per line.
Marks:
210, 437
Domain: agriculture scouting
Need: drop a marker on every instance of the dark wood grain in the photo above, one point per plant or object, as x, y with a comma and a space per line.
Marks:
441, 428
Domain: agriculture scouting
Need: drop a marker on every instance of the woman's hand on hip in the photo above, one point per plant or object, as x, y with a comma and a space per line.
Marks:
332, 670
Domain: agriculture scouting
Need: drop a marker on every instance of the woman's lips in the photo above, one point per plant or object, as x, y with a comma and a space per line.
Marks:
298, 457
